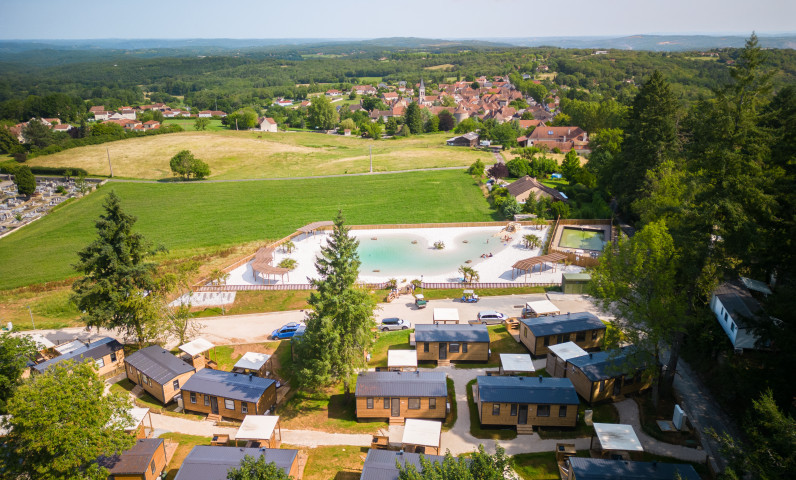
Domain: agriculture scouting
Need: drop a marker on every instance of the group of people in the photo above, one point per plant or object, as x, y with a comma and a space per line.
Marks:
486, 255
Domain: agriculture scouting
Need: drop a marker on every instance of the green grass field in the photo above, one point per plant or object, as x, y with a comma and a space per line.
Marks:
184, 217
188, 123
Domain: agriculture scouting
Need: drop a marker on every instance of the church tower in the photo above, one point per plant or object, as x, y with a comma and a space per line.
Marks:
422, 93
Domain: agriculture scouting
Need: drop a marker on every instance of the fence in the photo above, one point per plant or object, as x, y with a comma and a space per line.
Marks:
446, 286
275, 287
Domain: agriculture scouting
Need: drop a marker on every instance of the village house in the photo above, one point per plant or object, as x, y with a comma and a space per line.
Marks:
563, 138
228, 394
579, 468
267, 124
381, 464
158, 372
467, 140
526, 187
145, 461
151, 125
451, 343
734, 306
106, 353
526, 402
205, 462
401, 395
62, 127
364, 90
334, 93
583, 328
607, 375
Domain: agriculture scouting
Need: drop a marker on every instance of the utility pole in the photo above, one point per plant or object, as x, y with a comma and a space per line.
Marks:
236, 124
31, 317
109, 160
371, 158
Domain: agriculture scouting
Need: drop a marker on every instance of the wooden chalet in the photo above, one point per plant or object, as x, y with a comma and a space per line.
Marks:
401, 395
254, 362
227, 394
381, 464
558, 357
578, 468
212, 463
583, 328
158, 372
144, 461
607, 375
106, 353
451, 343
526, 402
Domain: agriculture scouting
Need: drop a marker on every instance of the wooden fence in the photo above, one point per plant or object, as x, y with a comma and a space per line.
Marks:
275, 287
447, 286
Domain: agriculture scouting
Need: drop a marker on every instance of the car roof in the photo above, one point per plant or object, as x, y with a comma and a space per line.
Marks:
488, 312
291, 324
391, 319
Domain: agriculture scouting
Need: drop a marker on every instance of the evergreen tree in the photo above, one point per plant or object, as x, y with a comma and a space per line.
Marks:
570, 166
119, 288
25, 180
650, 138
413, 118
341, 318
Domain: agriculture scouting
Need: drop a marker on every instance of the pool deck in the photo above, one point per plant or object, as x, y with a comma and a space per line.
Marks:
496, 269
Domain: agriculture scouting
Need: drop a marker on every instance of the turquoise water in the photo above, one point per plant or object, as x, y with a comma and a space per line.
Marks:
394, 254
583, 239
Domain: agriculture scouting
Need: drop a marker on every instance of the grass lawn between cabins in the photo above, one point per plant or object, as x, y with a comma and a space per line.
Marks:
249, 154
539, 466
186, 218
343, 462
186, 444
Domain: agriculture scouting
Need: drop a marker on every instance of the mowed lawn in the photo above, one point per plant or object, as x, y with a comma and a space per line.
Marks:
188, 216
246, 155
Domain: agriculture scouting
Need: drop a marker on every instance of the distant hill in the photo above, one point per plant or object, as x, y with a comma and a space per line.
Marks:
653, 42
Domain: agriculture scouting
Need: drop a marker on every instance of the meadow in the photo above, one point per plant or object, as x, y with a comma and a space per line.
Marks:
249, 154
184, 217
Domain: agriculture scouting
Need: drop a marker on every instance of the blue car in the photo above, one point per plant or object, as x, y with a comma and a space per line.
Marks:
288, 330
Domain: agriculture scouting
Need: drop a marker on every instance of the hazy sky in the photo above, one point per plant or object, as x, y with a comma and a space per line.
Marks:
59, 19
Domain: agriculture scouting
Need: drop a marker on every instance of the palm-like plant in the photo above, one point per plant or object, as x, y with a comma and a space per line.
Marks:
218, 277
532, 241
288, 246
469, 274
539, 223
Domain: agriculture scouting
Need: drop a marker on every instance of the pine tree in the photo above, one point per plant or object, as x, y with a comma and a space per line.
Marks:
413, 118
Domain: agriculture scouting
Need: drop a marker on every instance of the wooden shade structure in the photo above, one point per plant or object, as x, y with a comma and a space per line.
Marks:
526, 266
262, 264
312, 227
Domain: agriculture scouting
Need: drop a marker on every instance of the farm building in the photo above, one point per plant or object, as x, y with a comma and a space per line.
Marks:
158, 372
466, 140
106, 353
583, 328
526, 402
451, 343
228, 394
212, 463
573, 283
401, 395
145, 461
605, 375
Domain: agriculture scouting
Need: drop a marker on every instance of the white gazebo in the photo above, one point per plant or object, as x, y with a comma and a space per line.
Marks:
516, 364
195, 349
139, 427
541, 308
422, 436
253, 362
446, 315
559, 356
401, 360
615, 440
261, 429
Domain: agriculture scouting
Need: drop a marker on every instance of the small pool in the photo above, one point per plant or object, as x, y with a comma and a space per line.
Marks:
582, 238
395, 254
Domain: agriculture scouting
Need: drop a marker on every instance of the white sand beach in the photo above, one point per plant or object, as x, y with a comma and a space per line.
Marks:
495, 269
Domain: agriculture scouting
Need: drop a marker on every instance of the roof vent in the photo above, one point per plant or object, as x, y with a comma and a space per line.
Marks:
569, 314
250, 376
590, 355
540, 378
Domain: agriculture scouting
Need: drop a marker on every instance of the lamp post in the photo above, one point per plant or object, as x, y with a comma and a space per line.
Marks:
421, 283
31, 317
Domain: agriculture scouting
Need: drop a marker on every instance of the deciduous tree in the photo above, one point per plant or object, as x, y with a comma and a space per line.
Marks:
257, 469
479, 466
321, 114
15, 353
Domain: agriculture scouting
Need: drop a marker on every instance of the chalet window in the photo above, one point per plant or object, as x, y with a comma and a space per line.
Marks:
495, 409
369, 400
513, 411
562, 411
229, 404
386, 402
453, 348
732, 327
725, 316
176, 384
594, 334
546, 341
100, 362
193, 397
145, 379
244, 407
432, 403
152, 466
543, 411
580, 337
464, 348
207, 400
425, 346
113, 357
525, 332
414, 403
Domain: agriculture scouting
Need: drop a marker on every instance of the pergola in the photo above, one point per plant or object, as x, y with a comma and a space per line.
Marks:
422, 436
196, 349
312, 227
139, 427
255, 362
260, 429
516, 364
616, 440
527, 264
401, 360
262, 264
446, 315
541, 308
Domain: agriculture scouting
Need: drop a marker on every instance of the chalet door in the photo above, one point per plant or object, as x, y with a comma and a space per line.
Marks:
395, 403
443, 351
617, 386
214, 405
522, 417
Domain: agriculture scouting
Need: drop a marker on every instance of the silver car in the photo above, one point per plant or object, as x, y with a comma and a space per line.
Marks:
394, 323
491, 317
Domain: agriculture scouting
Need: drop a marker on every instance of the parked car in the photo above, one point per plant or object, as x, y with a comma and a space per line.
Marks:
287, 331
394, 323
491, 317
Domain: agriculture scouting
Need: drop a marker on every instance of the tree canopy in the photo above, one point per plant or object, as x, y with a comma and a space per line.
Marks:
15, 353
257, 469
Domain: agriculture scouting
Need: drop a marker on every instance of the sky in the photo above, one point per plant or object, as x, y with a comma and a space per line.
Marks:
92, 19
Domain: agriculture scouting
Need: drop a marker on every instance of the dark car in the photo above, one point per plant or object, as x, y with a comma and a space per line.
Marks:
288, 330
491, 317
394, 323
